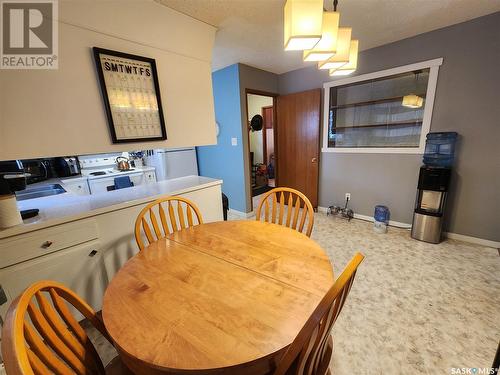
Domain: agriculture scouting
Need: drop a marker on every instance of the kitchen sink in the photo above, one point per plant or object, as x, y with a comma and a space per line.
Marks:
39, 192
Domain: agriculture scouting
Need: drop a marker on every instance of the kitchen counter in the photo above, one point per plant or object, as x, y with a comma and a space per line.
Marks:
67, 207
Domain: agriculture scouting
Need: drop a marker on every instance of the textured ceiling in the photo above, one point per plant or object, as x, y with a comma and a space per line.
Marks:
251, 32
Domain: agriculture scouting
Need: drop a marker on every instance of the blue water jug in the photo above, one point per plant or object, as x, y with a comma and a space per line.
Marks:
382, 214
440, 149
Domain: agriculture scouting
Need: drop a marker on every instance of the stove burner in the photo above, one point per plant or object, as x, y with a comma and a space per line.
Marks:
100, 173
126, 170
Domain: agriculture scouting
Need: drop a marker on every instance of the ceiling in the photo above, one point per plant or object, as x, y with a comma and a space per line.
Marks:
251, 31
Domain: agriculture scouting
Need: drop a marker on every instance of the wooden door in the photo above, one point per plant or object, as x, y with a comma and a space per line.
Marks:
297, 156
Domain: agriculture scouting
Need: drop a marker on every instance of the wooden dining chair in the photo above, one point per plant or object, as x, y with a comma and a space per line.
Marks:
178, 218
40, 335
311, 351
274, 211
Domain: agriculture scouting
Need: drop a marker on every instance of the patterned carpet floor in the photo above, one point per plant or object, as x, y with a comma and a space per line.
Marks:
414, 308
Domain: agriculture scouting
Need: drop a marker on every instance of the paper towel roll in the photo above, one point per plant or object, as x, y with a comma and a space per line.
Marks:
9, 213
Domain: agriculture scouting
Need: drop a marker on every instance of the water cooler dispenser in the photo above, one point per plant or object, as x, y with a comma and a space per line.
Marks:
433, 184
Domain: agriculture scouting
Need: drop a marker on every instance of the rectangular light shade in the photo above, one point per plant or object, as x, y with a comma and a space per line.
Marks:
343, 47
352, 65
327, 45
303, 20
412, 101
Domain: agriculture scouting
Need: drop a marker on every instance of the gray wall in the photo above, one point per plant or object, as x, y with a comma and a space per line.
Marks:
256, 79
467, 101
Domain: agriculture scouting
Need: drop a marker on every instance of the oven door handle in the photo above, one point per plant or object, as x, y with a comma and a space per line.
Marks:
45, 169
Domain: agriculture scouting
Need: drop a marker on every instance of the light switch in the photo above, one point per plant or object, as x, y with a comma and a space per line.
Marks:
234, 141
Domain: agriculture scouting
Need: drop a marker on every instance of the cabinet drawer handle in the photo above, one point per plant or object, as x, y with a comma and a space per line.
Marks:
92, 253
47, 244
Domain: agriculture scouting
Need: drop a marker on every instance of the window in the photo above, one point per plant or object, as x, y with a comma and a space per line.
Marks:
383, 112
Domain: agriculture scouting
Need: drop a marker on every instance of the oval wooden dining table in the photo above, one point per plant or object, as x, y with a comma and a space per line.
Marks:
220, 298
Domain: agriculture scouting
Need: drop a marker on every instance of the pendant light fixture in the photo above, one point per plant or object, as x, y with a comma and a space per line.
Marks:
303, 24
352, 65
327, 46
318, 34
341, 57
412, 100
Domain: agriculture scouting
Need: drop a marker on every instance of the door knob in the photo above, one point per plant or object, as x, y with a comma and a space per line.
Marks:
314, 160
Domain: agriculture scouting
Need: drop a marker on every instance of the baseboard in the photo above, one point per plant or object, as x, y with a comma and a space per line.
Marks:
241, 214
371, 219
392, 223
452, 236
470, 239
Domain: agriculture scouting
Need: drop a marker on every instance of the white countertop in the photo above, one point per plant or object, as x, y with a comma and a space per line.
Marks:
58, 209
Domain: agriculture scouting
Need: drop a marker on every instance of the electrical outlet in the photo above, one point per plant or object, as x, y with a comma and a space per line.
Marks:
234, 141
348, 196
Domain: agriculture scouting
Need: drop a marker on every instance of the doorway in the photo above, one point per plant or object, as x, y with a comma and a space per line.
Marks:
298, 120
261, 143
285, 150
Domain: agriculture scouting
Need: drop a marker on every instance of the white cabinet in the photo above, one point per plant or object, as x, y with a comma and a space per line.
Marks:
78, 267
31, 245
79, 186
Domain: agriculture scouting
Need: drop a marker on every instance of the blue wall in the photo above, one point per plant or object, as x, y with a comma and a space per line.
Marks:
224, 161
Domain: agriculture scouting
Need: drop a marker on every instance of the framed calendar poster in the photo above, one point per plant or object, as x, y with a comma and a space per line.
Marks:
131, 93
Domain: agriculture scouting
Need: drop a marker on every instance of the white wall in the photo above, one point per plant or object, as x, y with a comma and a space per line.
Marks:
61, 112
255, 104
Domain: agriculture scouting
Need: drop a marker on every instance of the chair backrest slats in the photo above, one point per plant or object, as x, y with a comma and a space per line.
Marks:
282, 208
62, 331
301, 208
53, 340
41, 350
290, 209
189, 216
174, 221
41, 336
310, 352
303, 220
172, 216
38, 366
154, 222
163, 219
274, 207
76, 328
180, 215
147, 230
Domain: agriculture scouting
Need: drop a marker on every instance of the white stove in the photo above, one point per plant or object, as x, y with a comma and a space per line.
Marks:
94, 173
101, 173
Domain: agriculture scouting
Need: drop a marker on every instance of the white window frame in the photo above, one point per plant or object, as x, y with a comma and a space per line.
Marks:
432, 65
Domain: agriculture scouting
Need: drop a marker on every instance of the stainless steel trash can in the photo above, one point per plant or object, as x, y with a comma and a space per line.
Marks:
427, 227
